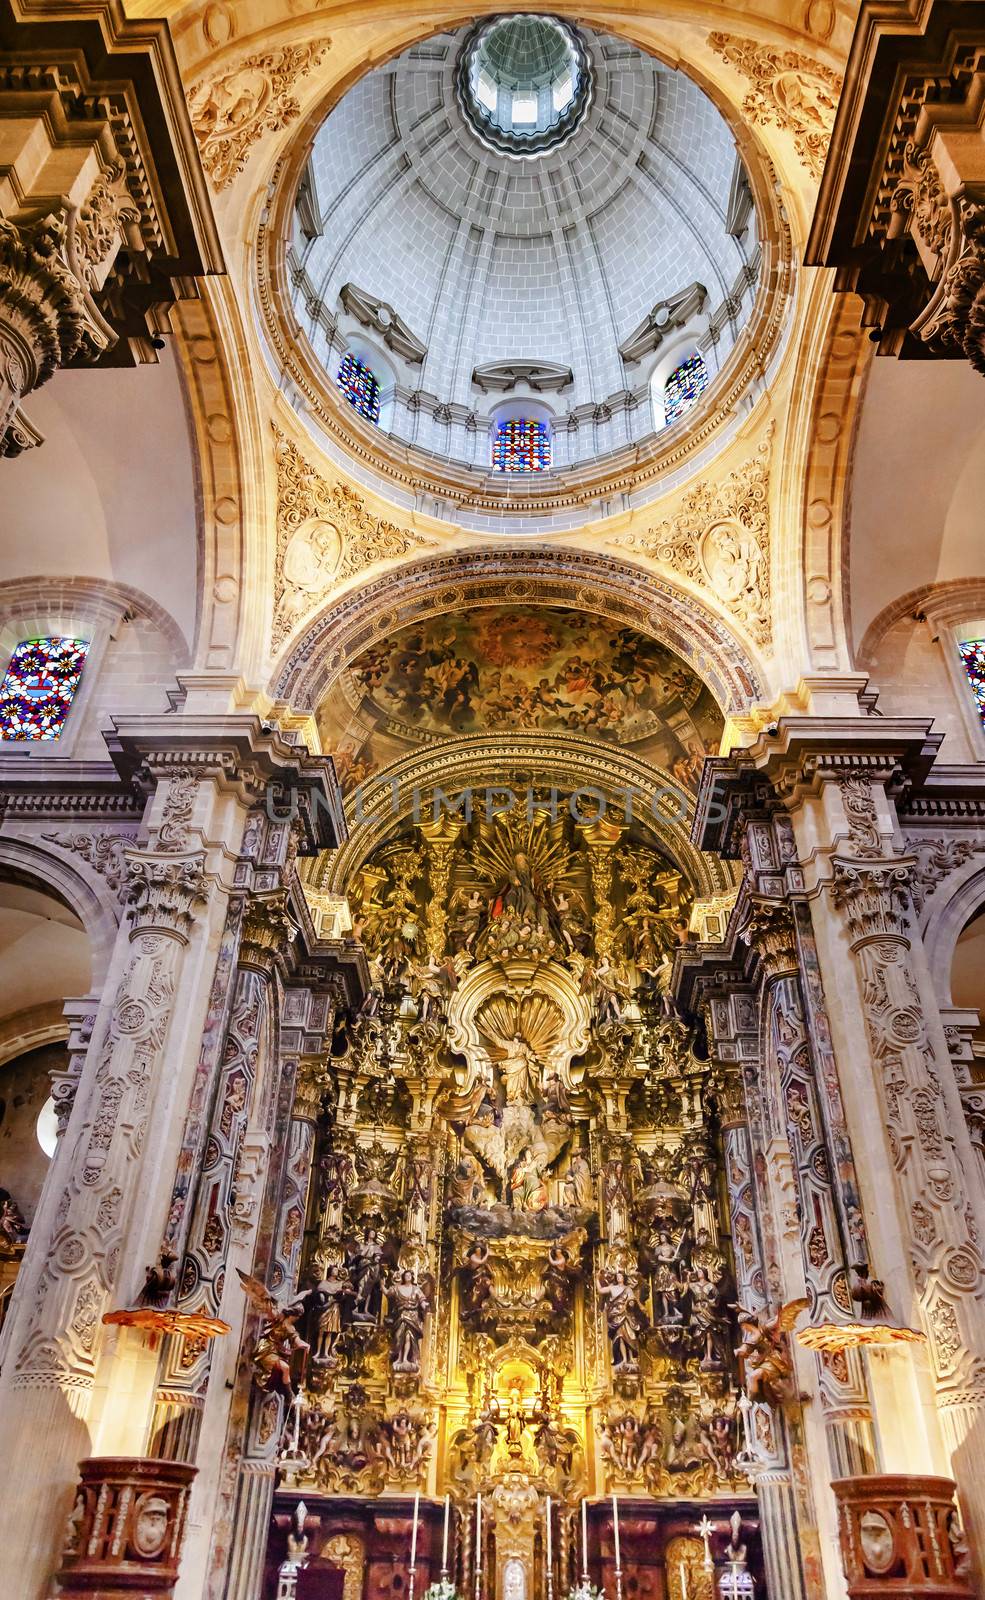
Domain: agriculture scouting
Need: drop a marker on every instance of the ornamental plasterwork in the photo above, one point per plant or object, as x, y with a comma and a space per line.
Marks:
719, 538
231, 110
324, 534
789, 90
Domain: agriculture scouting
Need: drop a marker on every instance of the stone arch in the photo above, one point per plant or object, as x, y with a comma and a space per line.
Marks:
948, 910
567, 761
80, 888
941, 603
515, 574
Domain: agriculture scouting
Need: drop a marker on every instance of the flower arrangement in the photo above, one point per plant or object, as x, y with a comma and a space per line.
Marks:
585, 1591
444, 1589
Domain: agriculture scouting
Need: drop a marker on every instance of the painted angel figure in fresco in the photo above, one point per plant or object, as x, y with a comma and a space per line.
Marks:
280, 1348
764, 1359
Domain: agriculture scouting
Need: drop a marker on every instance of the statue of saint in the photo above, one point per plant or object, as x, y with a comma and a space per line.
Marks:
520, 1070
528, 1190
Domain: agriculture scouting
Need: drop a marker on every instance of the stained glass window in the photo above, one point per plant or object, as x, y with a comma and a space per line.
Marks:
683, 387
360, 386
40, 683
521, 445
973, 656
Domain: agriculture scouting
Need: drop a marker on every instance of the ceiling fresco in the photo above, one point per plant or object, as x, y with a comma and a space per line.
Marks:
507, 669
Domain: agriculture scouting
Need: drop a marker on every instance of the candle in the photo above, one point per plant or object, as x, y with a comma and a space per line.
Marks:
478, 1544
413, 1537
549, 1563
615, 1532
584, 1538
683, 1581
444, 1542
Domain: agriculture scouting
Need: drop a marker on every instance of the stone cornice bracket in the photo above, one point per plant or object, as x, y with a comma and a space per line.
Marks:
43, 312
105, 217
268, 930
900, 212
875, 897
163, 893
769, 927
257, 761
797, 757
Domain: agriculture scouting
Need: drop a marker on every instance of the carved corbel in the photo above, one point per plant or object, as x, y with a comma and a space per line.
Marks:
770, 928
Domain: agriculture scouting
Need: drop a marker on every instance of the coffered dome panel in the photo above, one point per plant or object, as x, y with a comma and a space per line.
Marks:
521, 219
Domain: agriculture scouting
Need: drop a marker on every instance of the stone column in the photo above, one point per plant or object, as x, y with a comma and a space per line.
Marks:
100, 1221
211, 1229
932, 1158
843, 1388
252, 1421
788, 1529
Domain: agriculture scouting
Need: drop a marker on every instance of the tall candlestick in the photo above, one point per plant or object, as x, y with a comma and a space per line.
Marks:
413, 1537
444, 1541
615, 1537
584, 1541
413, 1545
478, 1546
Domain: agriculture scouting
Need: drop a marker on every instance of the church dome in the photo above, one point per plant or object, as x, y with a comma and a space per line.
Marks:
522, 253
523, 82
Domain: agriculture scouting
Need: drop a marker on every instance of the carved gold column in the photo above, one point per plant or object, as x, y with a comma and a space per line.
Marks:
602, 837
440, 836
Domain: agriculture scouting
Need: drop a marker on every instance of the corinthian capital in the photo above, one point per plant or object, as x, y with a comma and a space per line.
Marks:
268, 927
770, 928
43, 317
163, 893
875, 899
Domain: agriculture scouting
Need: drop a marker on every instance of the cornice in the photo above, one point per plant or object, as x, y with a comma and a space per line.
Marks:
243, 755
797, 757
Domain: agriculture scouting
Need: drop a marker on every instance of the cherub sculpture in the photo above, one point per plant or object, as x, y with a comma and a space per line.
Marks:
280, 1347
764, 1358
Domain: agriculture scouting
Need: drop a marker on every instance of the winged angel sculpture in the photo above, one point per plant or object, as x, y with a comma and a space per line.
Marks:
764, 1354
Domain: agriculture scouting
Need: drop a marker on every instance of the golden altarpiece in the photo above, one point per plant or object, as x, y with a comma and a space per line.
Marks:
518, 1285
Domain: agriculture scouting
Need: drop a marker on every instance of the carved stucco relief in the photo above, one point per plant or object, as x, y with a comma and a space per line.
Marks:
232, 109
719, 538
791, 91
324, 534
